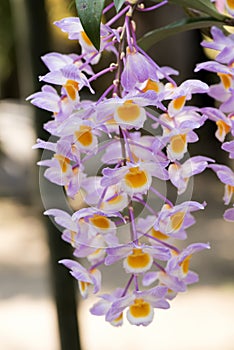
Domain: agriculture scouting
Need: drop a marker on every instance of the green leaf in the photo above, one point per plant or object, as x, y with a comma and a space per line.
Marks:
90, 14
204, 6
118, 4
180, 26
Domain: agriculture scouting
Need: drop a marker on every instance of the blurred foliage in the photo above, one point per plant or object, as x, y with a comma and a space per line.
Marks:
6, 40
56, 10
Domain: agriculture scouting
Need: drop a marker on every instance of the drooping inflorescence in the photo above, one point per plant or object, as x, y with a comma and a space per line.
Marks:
139, 128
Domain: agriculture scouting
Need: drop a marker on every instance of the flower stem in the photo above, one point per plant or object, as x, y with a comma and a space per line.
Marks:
116, 17
161, 196
127, 286
159, 266
136, 283
97, 264
132, 222
159, 121
108, 7
146, 205
127, 146
105, 93
170, 246
151, 8
102, 72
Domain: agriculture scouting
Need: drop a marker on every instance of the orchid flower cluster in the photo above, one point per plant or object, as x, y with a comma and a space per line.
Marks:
117, 222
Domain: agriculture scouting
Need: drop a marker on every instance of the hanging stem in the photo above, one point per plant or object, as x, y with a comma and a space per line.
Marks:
116, 17
151, 8
159, 121
136, 283
159, 266
163, 243
132, 222
124, 156
105, 93
104, 71
146, 205
97, 264
127, 146
127, 286
108, 7
161, 196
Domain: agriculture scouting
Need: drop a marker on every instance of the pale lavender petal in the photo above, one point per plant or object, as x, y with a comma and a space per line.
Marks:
192, 277
82, 251
229, 147
100, 308
70, 25
62, 218
96, 278
160, 304
55, 61
118, 307
226, 55
46, 145
47, 99
161, 253
112, 176
189, 87
149, 278
56, 176
213, 113
224, 173
229, 214
55, 77
228, 105
111, 240
77, 270
173, 283
191, 249
213, 66
195, 165
157, 292
117, 253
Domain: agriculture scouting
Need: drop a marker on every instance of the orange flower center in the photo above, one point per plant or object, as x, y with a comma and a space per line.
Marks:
226, 79
136, 178
115, 199
178, 103
177, 220
223, 128
178, 143
140, 308
84, 135
100, 221
86, 38
159, 234
138, 259
151, 85
129, 111
185, 264
71, 87
63, 162
230, 4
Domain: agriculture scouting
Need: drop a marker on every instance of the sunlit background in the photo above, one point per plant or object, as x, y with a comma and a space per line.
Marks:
30, 294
